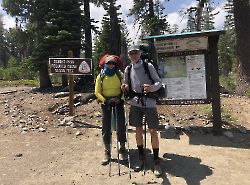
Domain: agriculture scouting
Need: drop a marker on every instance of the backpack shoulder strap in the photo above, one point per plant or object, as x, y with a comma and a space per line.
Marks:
129, 76
145, 65
129, 70
118, 74
102, 75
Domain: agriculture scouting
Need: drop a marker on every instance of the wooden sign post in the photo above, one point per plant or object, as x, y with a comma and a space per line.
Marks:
71, 66
71, 90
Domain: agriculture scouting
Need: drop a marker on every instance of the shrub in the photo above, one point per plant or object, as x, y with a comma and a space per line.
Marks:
1, 73
228, 82
12, 73
17, 73
56, 79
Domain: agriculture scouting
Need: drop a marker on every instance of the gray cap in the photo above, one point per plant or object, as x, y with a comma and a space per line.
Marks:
133, 48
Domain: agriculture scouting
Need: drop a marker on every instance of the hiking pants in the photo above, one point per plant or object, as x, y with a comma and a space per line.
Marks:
106, 123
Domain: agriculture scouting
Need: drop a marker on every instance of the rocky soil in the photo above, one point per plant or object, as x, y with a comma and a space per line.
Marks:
41, 144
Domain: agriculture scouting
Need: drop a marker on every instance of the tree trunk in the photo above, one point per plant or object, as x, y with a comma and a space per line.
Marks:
44, 78
86, 80
199, 14
88, 36
64, 80
5, 58
151, 14
115, 33
242, 28
88, 39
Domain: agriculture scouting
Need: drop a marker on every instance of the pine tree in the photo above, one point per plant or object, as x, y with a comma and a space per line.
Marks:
149, 15
200, 17
207, 20
227, 58
102, 40
113, 36
229, 22
191, 20
55, 26
226, 55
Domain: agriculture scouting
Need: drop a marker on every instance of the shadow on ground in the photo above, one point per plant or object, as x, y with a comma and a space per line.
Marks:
186, 167
83, 124
205, 136
189, 168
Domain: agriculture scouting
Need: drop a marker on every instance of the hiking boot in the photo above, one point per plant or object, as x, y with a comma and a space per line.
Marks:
157, 168
139, 164
106, 158
124, 154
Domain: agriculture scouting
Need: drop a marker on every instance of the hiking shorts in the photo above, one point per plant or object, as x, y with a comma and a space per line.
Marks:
136, 117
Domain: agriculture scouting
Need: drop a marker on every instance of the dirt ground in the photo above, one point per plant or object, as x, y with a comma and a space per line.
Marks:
38, 146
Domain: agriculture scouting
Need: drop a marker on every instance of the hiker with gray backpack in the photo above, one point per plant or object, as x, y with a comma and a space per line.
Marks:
140, 81
109, 94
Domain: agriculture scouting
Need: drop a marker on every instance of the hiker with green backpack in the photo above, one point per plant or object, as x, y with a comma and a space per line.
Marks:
140, 81
108, 92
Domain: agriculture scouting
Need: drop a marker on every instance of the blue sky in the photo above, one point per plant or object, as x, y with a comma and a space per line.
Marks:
172, 7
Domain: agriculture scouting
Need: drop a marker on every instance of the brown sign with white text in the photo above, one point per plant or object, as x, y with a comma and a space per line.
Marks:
72, 66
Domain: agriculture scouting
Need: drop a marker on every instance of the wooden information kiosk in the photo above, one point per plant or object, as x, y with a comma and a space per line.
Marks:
188, 67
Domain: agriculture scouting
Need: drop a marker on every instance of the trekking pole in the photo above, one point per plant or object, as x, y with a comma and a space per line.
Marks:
112, 115
129, 167
145, 144
145, 131
117, 144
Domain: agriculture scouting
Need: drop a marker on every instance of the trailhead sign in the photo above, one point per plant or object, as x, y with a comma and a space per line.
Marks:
182, 70
185, 65
184, 44
188, 67
71, 66
184, 76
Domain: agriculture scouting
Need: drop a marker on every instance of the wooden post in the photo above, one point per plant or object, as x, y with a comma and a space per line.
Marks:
215, 86
71, 90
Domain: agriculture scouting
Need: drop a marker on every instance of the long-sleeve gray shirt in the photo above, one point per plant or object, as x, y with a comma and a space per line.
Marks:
138, 78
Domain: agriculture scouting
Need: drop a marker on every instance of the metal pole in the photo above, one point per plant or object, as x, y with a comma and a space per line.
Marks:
110, 142
117, 144
71, 90
145, 133
129, 167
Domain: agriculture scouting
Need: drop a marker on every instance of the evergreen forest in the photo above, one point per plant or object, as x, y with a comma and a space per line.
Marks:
50, 28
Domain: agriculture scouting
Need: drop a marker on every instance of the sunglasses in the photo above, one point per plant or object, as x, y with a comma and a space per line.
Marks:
133, 52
